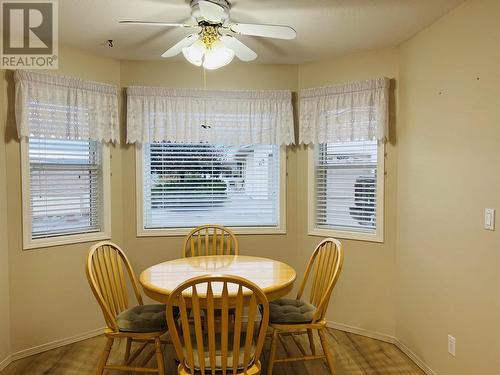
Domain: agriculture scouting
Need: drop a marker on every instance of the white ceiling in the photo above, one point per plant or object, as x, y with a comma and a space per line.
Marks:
324, 27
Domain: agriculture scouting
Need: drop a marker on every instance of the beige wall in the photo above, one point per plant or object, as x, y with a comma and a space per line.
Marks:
4, 255
147, 251
365, 294
50, 298
448, 156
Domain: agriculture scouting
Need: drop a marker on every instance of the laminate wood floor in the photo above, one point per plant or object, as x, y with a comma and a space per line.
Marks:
353, 354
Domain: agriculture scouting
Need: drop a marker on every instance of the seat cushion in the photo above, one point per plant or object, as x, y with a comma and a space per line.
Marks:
142, 318
218, 353
290, 311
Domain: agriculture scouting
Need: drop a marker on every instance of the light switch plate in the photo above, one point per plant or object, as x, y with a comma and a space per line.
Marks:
452, 345
489, 219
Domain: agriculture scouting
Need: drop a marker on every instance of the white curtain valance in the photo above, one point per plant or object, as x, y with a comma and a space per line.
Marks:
211, 116
353, 112
58, 107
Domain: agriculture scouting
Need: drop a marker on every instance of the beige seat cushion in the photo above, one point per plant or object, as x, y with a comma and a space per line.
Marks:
218, 353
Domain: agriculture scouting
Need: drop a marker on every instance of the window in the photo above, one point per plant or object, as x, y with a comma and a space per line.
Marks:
346, 196
65, 187
181, 186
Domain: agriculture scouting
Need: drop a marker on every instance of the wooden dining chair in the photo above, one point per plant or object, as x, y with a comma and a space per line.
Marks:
106, 269
289, 315
210, 240
205, 347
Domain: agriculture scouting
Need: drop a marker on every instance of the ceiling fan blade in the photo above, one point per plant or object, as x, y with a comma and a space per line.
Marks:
177, 48
268, 31
210, 11
241, 51
156, 23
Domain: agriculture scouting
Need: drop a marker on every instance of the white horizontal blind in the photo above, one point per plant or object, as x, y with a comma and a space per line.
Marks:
186, 185
346, 186
65, 187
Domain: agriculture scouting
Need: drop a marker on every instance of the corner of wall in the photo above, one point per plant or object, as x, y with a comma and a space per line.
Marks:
5, 348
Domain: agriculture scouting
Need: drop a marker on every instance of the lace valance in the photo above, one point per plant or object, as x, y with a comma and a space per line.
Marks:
353, 112
209, 116
50, 106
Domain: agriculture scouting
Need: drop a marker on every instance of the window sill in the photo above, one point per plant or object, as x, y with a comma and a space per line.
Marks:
339, 234
65, 240
177, 232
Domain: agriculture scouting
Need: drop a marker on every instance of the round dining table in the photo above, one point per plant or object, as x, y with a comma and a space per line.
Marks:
273, 277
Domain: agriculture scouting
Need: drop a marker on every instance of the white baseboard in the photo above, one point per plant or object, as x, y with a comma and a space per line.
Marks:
55, 344
5, 362
416, 359
386, 338
362, 332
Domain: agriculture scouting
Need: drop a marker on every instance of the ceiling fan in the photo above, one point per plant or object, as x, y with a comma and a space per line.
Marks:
213, 43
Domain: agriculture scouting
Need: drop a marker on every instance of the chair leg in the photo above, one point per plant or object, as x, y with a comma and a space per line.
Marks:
272, 352
127, 349
326, 350
311, 341
105, 356
159, 357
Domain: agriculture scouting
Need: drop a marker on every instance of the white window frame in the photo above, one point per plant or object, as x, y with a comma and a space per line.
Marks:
104, 234
313, 230
142, 232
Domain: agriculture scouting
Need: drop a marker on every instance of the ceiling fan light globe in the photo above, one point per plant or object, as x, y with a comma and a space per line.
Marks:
194, 53
217, 56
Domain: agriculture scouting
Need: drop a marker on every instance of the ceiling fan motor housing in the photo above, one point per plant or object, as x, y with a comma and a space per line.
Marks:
210, 47
217, 14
